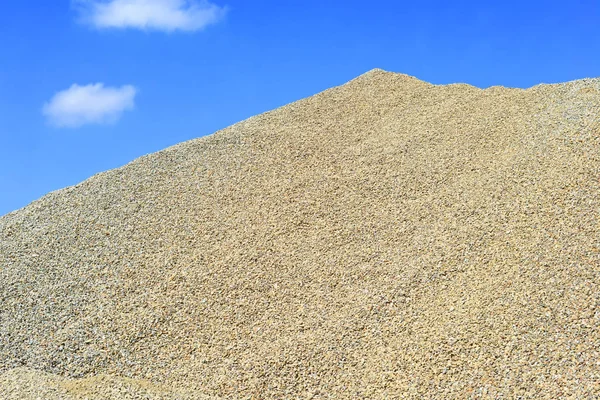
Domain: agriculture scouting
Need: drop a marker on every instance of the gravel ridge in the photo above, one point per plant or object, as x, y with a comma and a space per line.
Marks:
387, 238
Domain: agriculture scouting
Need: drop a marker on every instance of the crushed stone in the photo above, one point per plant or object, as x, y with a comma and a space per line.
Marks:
387, 238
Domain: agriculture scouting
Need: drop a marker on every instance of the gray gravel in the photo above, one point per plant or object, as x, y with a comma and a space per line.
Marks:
387, 238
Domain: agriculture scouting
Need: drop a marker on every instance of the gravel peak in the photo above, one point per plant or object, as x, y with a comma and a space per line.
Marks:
385, 238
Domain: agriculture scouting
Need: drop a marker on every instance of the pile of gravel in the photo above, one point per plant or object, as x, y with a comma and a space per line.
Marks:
387, 238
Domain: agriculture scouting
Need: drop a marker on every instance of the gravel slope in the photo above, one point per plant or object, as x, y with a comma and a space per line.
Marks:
387, 238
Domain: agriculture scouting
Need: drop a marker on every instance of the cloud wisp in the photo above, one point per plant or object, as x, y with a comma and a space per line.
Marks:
90, 104
163, 15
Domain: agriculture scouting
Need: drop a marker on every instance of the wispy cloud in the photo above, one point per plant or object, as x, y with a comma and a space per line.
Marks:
90, 104
164, 15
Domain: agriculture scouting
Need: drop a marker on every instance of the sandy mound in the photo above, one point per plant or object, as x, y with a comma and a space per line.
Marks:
381, 239
23, 383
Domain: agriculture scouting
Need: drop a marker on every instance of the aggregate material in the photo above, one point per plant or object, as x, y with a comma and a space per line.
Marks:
384, 239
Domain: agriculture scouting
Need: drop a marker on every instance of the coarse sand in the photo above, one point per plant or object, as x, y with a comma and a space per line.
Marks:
384, 239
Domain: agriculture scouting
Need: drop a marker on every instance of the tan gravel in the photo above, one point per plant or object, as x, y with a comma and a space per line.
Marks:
23, 383
387, 238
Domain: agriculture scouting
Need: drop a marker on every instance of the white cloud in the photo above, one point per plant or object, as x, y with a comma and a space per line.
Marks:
165, 15
90, 104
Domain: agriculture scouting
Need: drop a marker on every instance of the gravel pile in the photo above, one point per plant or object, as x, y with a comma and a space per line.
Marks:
387, 238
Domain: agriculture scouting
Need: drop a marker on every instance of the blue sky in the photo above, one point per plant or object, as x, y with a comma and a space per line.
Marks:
89, 85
